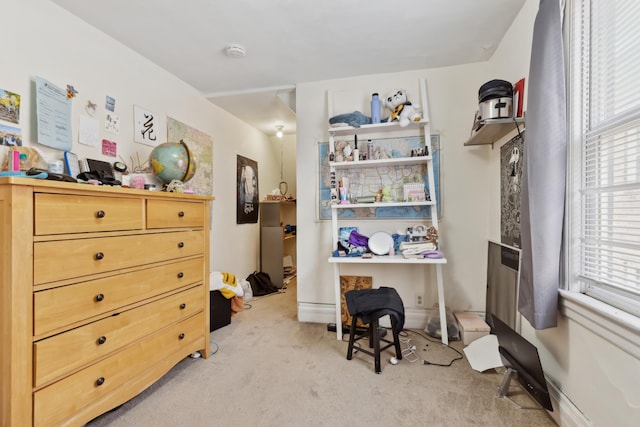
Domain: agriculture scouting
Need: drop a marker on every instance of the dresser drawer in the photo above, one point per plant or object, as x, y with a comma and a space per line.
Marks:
57, 307
105, 383
63, 353
67, 259
61, 214
169, 214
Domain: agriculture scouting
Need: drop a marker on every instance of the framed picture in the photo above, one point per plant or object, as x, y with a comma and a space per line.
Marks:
247, 191
510, 187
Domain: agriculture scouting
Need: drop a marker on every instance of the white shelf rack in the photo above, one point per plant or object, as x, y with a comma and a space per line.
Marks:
413, 128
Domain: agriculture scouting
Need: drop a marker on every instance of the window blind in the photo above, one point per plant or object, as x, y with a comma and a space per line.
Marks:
608, 261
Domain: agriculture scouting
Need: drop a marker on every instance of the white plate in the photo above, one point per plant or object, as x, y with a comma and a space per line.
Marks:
380, 243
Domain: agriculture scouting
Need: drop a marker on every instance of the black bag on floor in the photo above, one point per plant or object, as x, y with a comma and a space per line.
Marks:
261, 284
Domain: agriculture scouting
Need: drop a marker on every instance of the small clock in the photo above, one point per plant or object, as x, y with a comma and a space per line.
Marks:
120, 167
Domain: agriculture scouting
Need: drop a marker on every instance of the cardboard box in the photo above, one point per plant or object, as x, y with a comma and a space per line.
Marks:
472, 327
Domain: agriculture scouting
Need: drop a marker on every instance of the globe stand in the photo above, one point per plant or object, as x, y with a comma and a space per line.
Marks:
175, 186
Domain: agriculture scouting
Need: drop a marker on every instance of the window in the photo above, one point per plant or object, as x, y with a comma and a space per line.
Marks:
604, 203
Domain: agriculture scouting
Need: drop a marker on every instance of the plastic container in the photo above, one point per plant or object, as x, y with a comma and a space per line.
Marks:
375, 108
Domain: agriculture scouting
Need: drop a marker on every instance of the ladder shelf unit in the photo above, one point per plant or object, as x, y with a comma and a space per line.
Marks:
421, 128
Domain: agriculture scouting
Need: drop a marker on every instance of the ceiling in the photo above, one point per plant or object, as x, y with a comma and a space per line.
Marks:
296, 41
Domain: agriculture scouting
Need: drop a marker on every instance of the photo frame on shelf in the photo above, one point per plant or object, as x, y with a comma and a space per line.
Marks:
369, 183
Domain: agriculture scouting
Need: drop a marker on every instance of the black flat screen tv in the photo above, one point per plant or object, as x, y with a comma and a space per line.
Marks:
522, 360
519, 356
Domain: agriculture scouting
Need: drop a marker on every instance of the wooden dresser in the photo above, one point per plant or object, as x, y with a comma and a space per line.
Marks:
102, 291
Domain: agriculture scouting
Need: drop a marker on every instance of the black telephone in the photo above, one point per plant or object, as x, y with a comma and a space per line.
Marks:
100, 171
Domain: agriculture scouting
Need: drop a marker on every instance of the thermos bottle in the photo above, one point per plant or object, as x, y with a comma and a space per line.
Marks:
375, 108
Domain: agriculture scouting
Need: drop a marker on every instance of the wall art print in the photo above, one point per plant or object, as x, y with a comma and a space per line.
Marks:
9, 106
511, 157
247, 191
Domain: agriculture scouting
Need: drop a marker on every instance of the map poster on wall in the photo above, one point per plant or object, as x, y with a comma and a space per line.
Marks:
201, 145
368, 181
510, 187
247, 191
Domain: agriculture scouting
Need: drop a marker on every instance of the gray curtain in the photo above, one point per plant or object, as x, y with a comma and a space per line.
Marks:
544, 172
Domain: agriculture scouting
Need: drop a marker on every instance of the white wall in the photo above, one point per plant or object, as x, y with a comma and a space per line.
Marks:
42, 39
284, 164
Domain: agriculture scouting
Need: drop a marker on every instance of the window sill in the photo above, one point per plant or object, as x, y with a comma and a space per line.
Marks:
616, 326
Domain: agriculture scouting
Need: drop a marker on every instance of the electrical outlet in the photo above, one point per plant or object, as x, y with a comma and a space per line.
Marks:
419, 300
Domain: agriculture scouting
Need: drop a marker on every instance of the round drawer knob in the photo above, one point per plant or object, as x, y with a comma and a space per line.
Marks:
183, 306
181, 245
99, 256
102, 340
180, 214
100, 214
100, 381
181, 336
180, 275
99, 297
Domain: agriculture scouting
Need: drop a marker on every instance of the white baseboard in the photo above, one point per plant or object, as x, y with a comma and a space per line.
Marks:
415, 318
565, 413
316, 313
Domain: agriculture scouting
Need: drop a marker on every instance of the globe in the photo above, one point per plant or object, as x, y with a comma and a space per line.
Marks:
173, 160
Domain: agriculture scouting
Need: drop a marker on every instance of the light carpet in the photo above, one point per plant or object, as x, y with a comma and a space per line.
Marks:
271, 370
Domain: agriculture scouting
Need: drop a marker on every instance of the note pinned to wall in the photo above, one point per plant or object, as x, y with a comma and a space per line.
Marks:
53, 110
88, 131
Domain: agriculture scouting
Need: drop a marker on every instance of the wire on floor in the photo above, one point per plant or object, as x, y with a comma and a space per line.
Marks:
217, 347
409, 352
426, 362
197, 354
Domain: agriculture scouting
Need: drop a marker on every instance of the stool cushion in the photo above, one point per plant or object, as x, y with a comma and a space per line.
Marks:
372, 304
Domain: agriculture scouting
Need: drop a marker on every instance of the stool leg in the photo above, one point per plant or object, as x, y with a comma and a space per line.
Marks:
370, 333
376, 344
396, 338
352, 336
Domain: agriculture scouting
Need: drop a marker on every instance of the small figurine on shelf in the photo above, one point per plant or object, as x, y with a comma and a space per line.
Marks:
347, 152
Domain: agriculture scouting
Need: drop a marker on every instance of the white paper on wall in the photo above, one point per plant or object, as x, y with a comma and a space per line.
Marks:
88, 131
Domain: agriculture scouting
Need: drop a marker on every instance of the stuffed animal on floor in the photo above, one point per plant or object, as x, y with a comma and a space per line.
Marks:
401, 109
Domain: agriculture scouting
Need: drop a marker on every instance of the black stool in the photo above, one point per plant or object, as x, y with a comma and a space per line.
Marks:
370, 305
